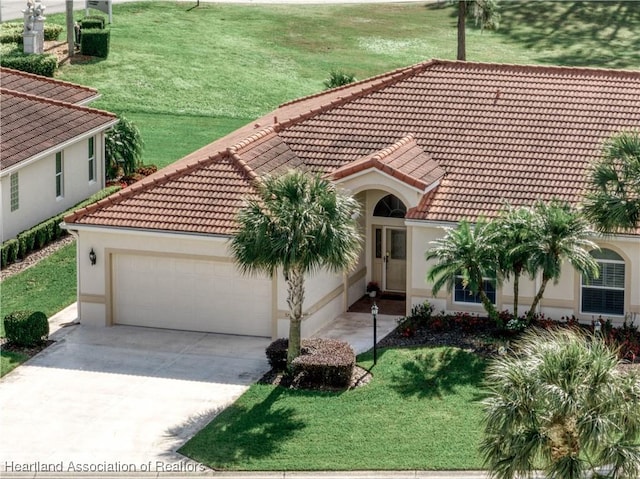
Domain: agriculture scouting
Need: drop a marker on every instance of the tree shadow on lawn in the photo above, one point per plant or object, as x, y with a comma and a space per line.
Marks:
240, 433
579, 33
438, 372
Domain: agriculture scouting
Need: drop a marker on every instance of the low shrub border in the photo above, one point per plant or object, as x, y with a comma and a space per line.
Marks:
26, 328
43, 233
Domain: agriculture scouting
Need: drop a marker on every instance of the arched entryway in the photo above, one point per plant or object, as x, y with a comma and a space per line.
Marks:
389, 249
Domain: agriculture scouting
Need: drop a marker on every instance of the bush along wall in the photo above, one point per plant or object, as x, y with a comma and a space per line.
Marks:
44, 64
12, 32
95, 42
43, 233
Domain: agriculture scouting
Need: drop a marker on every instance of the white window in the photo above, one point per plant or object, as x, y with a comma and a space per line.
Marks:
15, 192
92, 160
463, 295
59, 175
605, 294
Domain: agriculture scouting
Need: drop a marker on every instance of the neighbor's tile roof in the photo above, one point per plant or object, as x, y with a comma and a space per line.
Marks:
32, 125
488, 133
46, 87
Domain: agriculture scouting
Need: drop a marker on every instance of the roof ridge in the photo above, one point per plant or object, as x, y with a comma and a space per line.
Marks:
47, 79
356, 83
543, 68
242, 144
381, 155
244, 166
373, 84
59, 103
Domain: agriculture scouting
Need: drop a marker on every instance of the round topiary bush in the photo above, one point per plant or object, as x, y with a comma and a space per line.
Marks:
26, 328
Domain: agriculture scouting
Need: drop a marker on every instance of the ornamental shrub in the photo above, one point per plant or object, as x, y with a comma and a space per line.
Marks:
11, 32
324, 362
26, 328
9, 252
95, 42
40, 64
277, 354
93, 21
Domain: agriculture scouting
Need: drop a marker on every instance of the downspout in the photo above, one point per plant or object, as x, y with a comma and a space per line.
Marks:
75, 234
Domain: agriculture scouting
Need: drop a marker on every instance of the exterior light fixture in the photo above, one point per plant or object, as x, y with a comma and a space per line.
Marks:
374, 313
92, 257
597, 327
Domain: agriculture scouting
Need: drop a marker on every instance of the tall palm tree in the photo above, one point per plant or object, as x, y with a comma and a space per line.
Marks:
562, 234
485, 13
465, 251
299, 223
513, 233
613, 204
561, 404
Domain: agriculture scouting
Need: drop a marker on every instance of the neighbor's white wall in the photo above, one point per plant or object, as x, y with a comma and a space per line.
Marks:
37, 187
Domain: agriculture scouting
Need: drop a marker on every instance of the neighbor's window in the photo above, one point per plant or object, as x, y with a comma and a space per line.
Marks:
605, 294
92, 160
463, 295
59, 175
15, 193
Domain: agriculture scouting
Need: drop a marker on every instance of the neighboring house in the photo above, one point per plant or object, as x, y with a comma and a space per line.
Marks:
420, 147
51, 148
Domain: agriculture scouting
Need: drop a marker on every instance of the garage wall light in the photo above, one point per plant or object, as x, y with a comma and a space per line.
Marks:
92, 257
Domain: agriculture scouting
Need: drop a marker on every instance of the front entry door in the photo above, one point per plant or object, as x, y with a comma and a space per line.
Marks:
394, 271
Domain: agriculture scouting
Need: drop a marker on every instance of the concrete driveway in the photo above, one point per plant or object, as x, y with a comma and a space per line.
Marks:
121, 397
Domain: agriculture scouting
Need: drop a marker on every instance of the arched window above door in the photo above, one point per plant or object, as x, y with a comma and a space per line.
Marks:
390, 207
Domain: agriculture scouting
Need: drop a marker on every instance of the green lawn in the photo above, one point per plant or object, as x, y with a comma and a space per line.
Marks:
421, 411
10, 360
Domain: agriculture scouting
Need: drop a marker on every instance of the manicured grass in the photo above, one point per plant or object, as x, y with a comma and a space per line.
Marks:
421, 411
10, 360
48, 286
189, 75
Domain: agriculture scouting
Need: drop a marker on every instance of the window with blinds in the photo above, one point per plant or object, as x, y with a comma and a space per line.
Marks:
605, 294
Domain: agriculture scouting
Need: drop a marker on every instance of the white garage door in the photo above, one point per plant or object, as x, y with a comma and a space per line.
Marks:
189, 294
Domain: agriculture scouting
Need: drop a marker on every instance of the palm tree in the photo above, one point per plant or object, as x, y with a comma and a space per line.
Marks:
561, 234
513, 232
465, 251
485, 13
299, 223
561, 404
613, 204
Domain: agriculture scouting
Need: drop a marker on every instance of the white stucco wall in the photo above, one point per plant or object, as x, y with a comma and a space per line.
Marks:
561, 299
37, 186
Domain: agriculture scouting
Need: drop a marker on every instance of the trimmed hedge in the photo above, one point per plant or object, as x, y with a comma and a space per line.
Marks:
95, 42
326, 362
44, 64
26, 328
12, 32
44, 233
92, 23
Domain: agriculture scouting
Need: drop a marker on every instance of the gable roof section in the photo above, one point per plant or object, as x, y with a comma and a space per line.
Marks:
404, 160
32, 125
201, 198
46, 87
488, 133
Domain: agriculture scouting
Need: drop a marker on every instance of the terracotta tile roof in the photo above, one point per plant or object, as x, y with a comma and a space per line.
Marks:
497, 132
46, 87
32, 125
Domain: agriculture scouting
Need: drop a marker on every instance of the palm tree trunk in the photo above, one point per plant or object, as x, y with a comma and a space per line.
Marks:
462, 17
538, 297
295, 298
516, 292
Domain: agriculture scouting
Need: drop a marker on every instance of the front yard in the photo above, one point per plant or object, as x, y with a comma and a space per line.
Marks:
421, 410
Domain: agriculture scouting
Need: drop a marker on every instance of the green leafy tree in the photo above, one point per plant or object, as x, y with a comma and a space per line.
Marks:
613, 202
561, 404
299, 223
468, 252
123, 148
561, 234
513, 232
484, 12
